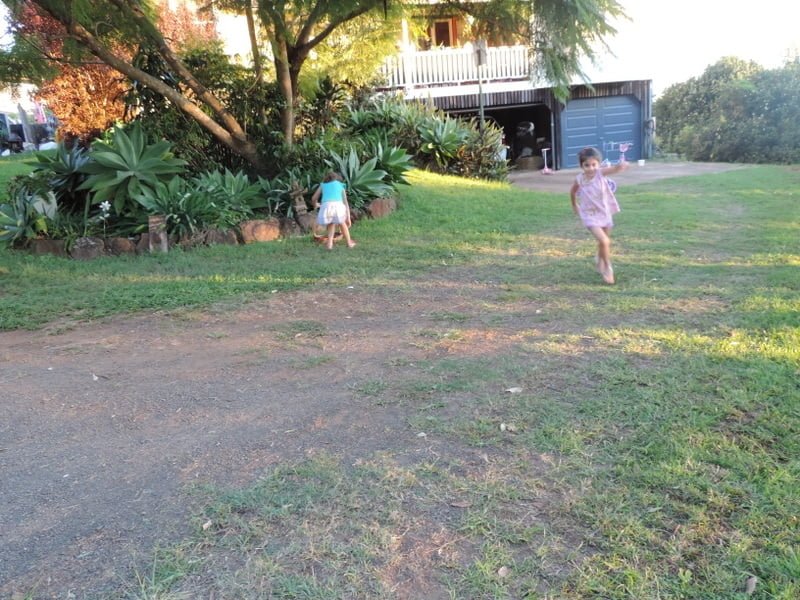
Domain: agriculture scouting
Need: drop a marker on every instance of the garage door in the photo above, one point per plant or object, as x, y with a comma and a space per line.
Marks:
604, 123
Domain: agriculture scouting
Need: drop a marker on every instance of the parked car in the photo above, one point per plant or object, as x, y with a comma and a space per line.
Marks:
12, 134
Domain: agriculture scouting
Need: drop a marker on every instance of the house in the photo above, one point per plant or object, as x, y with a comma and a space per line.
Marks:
438, 62
464, 77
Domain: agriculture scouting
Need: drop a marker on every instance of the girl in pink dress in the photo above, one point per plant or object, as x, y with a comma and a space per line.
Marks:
593, 200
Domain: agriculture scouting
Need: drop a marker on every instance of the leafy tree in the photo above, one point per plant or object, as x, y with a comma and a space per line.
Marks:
694, 103
741, 113
560, 32
294, 29
87, 97
133, 20
775, 114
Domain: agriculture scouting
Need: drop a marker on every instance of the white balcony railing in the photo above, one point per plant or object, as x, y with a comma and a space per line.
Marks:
453, 66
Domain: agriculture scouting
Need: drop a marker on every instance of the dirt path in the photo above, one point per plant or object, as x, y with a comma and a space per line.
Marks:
107, 424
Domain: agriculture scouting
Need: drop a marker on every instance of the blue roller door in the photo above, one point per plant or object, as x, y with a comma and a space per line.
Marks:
603, 123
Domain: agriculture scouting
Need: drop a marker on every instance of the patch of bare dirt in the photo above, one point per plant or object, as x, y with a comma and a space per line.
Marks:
107, 424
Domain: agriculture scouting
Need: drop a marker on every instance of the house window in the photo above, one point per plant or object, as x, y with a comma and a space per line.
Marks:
442, 33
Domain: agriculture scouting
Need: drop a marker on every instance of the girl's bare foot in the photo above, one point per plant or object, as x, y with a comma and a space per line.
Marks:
350, 244
608, 274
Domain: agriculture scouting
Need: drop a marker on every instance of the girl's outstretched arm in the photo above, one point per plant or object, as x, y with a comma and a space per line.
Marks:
620, 166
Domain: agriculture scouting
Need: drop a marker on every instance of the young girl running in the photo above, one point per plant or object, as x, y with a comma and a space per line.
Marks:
334, 209
593, 200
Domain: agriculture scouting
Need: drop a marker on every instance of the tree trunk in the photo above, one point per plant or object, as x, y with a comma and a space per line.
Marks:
287, 86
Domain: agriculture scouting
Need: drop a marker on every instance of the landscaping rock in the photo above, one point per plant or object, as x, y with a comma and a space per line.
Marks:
118, 246
190, 241
260, 230
380, 207
54, 247
87, 248
220, 236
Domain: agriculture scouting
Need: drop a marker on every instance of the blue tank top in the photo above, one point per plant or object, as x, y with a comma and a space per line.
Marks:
332, 191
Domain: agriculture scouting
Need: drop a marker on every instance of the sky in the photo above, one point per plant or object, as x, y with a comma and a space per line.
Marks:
670, 41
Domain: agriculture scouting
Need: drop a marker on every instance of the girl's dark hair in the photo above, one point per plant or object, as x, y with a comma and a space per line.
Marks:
331, 176
588, 153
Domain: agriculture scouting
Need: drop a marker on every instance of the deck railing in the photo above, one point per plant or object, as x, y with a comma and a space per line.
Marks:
453, 66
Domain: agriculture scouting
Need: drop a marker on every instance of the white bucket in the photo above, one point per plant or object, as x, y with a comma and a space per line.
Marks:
640, 162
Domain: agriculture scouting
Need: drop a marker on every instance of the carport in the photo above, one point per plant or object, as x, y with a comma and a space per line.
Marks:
603, 115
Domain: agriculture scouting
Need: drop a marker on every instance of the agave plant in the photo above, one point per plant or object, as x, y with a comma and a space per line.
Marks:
441, 140
395, 161
64, 171
121, 168
364, 181
360, 121
25, 216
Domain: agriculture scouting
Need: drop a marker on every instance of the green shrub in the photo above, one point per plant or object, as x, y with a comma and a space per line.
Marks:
255, 106
187, 211
480, 156
309, 155
68, 226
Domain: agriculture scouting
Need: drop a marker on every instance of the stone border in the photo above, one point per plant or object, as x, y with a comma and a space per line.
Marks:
248, 232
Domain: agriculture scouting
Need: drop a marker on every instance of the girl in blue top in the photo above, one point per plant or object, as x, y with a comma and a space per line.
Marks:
334, 209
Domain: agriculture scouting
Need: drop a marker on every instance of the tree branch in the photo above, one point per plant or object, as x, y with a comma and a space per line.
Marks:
154, 36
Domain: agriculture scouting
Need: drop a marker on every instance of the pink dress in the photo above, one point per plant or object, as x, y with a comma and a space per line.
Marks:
596, 201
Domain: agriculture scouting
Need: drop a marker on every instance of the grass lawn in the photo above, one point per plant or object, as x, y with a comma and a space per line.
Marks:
15, 164
653, 450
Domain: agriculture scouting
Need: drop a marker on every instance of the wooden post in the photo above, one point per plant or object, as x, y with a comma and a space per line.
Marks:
157, 228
